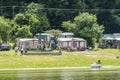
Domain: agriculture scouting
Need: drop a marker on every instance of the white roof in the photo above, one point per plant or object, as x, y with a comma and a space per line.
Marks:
111, 38
117, 39
66, 33
108, 38
64, 39
43, 34
71, 39
79, 39
28, 39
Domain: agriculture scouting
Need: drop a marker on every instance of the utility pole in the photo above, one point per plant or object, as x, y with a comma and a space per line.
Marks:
13, 8
39, 42
83, 5
1, 7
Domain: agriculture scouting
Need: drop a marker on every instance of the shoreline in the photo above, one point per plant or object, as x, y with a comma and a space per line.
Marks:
58, 68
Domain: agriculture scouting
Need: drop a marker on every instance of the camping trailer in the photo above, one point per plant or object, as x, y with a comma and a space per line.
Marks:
66, 35
45, 36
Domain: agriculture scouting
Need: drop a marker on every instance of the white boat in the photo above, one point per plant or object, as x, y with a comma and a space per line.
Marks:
95, 66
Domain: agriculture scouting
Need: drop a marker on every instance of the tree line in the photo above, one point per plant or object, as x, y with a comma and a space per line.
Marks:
107, 11
26, 18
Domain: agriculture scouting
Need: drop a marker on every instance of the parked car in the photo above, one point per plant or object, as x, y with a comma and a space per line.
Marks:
4, 46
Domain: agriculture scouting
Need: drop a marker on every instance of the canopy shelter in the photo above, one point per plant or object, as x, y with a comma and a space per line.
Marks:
28, 43
110, 43
72, 43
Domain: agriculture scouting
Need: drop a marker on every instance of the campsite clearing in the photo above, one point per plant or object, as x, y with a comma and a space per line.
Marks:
67, 59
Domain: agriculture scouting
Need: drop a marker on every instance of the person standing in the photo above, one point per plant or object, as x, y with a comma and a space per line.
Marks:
16, 50
52, 44
22, 50
43, 44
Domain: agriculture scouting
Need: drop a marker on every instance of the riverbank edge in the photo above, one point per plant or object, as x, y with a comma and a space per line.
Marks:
55, 68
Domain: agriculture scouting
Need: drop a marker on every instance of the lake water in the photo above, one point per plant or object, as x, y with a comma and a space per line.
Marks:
60, 74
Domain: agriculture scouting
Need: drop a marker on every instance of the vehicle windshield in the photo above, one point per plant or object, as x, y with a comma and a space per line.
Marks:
5, 45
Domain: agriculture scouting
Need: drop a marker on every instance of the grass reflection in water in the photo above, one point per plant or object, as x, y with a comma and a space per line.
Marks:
61, 74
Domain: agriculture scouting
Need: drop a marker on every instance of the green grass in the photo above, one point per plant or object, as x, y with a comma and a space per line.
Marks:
69, 59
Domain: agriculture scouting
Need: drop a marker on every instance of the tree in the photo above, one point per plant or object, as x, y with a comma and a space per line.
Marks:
35, 10
22, 19
116, 22
5, 29
24, 32
27, 19
85, 25
56, 16
33, 17
62, 13
54, 33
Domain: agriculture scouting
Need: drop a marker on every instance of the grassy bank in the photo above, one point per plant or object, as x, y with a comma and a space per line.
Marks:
68, 59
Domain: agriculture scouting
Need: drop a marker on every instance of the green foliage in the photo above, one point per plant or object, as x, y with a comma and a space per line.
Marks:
54, 33
116, 19
33, 17
5, 29
68, 25
27, 19
57, 16
22, 19
24, 32
85, 25
38, 17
